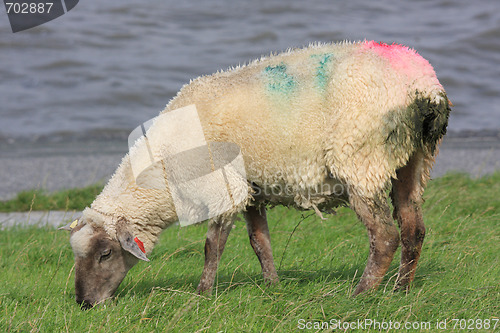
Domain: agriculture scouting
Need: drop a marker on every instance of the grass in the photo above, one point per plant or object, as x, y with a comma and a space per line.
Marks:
457, 276
71, 199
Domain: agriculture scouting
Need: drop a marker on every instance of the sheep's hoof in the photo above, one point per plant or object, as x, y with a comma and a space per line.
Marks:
402, 286
204, 290
271, 280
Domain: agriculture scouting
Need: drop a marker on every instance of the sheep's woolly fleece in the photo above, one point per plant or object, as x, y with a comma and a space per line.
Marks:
348, 113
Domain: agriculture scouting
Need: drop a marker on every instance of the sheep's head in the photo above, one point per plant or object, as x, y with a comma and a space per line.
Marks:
101, 262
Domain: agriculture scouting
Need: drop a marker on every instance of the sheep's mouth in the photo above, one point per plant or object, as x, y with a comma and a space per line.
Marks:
85, 305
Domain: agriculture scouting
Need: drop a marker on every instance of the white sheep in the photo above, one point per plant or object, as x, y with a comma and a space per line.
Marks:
319, 127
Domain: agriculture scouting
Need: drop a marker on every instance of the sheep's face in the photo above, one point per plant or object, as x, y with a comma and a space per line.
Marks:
101, 262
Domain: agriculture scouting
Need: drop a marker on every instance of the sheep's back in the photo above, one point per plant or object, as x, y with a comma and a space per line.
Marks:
304, 115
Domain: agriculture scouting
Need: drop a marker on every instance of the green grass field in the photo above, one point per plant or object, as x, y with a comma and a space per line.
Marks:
72, 199
319, 265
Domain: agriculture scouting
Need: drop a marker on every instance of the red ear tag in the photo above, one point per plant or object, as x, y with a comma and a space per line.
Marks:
141, 244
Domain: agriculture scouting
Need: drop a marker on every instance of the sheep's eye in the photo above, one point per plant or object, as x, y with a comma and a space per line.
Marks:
105, 254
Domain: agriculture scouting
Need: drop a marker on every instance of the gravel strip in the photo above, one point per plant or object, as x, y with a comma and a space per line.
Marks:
68, 165
36, 218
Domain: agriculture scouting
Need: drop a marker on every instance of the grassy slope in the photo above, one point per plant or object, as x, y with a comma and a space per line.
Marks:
457, 276
71, 199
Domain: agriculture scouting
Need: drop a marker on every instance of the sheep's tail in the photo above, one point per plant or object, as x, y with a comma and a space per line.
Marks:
419, 127
414, 132
434, 114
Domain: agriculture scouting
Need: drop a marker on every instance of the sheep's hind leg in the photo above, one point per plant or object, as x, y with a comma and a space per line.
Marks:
383, 235
218, 231
407, 200
258, 232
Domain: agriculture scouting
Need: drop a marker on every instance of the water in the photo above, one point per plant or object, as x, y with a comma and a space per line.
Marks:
107, 66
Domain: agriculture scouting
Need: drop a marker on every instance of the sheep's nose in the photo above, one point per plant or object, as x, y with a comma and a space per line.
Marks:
85, 305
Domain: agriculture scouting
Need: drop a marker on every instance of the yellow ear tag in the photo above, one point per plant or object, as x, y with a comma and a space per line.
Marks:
73, 225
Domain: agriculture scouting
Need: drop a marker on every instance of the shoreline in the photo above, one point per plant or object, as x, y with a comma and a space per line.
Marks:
53, 166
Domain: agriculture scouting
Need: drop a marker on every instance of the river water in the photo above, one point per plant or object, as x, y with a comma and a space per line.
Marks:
107, 66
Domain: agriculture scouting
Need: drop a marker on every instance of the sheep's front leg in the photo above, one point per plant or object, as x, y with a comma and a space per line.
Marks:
384, 239
217, 234
258, 232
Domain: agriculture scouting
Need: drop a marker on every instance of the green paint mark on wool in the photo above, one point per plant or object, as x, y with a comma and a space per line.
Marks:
322, 73
278, 80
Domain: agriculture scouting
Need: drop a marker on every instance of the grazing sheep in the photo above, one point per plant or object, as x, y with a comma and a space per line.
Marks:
319, 127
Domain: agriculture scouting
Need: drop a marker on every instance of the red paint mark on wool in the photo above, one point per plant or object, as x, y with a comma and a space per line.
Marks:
401, 58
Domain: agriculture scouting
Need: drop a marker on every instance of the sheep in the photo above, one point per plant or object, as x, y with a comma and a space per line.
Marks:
319, 127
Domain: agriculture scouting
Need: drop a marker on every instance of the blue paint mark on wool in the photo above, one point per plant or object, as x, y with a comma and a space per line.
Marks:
322, 74
278, 80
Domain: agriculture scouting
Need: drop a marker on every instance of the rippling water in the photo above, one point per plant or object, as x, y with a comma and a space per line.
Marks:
107, 66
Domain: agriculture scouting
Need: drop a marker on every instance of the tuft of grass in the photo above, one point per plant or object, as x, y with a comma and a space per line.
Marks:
321, 262
70, 199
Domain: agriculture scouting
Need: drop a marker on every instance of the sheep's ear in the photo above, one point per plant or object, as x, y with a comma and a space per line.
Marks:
128, 243
70, 226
